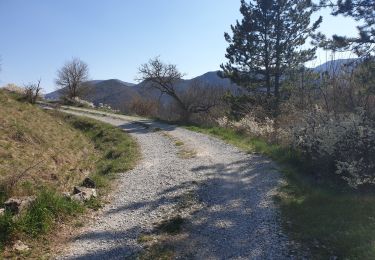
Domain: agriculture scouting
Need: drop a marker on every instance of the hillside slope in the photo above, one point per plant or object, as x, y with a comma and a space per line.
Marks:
38, 150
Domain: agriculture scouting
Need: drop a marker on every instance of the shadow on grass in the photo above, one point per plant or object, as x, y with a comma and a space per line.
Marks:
322, 213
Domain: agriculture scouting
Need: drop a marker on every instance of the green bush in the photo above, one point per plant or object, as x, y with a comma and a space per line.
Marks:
6, 228
47, 208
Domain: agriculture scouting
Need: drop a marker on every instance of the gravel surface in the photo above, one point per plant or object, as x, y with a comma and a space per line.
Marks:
236, 217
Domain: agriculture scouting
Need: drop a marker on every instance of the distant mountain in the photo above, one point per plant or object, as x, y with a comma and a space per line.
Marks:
335, 66
104, 91
97, 89
118, 94
213, 78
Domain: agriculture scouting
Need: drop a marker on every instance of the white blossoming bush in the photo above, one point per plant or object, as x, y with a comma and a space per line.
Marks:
343, 144
251, 126
224, 122
355, 154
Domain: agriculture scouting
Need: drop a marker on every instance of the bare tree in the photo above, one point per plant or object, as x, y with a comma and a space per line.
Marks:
202, 97
32, 91
71, 76
163, 77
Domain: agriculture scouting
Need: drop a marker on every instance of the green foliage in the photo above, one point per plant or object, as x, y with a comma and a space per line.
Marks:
360, 10
6, 228
242, 105
268, 41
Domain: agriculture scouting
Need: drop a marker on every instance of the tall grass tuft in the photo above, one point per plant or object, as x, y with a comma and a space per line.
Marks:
47, 208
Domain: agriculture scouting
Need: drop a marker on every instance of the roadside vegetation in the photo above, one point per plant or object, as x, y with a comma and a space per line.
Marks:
38, 150
46, 153
327, 217
118, 152
319, 125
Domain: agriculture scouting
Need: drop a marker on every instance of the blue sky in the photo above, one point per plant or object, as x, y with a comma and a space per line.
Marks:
115, 36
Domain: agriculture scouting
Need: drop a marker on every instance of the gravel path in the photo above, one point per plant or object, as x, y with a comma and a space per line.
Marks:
236, 218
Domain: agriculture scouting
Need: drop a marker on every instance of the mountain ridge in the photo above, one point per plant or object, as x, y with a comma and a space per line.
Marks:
119, 94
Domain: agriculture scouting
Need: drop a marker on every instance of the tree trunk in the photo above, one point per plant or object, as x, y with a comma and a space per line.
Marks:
279, 31
185, 116
277, 84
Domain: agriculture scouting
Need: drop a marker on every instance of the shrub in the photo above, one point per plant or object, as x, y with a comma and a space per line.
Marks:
32, 92
6, 228
342, 144
355, 154
252, 126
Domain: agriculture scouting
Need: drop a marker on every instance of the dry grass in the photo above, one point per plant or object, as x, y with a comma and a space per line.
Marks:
38, 150
43, 153
184, 152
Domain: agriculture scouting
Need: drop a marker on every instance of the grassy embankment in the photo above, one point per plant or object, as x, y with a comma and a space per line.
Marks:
329, 220
45, 153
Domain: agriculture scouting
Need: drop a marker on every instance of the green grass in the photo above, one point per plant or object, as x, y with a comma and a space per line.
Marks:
48, 209
39, 150
328, 219
6, 229
142, 239
118, 151
179, 143
69, 146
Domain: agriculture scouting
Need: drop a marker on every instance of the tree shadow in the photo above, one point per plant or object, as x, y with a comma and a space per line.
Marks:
146, 126
238, 218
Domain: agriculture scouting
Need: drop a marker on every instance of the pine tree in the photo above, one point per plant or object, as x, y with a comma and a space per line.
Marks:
362, 11
268, 41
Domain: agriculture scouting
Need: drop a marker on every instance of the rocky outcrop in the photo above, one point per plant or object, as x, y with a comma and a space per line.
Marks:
20, 247
88, 183
17, 205
83, 194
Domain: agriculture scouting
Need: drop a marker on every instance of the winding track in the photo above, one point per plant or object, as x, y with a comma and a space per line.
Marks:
237, 219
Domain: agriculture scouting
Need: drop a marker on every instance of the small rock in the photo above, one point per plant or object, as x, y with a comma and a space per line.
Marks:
17, 205
66, 195
54, 177
88, 183
19, 246
333, 258
2, 212
82, 194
